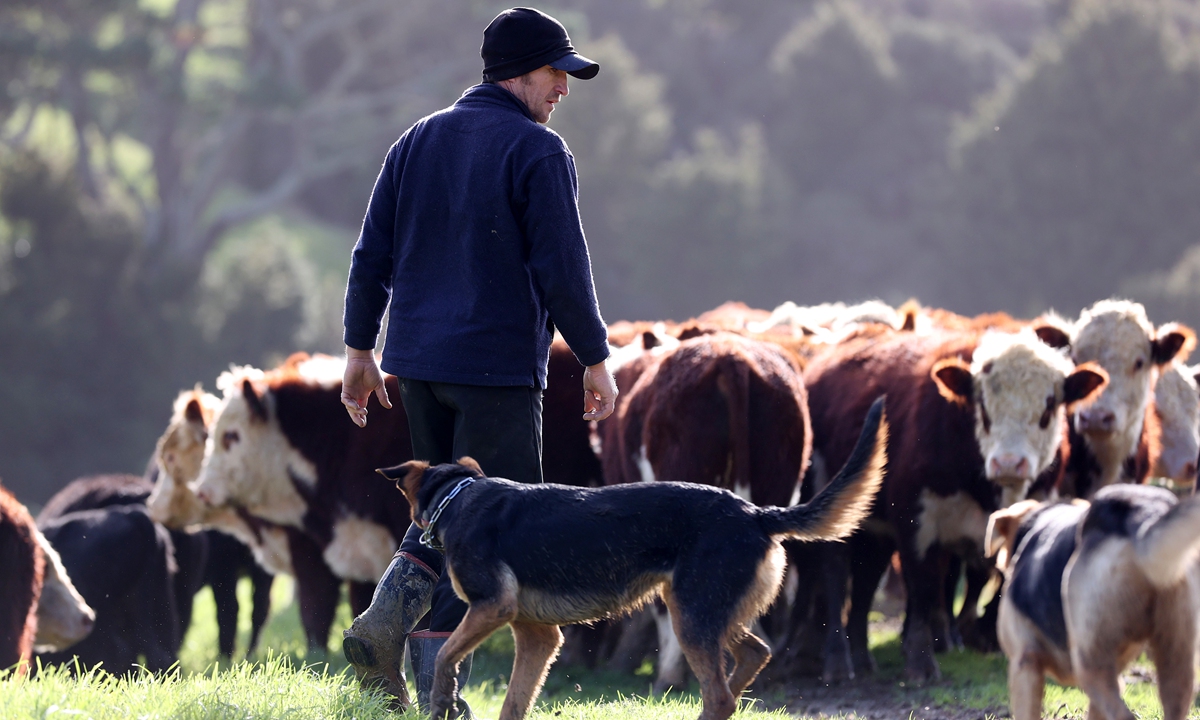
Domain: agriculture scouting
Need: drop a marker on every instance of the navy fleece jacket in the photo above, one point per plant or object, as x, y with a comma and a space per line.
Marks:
473, 232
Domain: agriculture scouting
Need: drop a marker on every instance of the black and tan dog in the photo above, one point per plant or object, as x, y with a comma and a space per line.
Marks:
1089, 587
540, 556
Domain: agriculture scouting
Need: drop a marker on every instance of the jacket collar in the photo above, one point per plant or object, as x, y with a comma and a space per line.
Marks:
492, 94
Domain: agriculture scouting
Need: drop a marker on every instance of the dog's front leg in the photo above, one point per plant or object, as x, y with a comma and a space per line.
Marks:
536, 647
481, 620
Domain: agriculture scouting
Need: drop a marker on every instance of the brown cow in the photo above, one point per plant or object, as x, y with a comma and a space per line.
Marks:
719, 409
976, 418
21, 566
282, 450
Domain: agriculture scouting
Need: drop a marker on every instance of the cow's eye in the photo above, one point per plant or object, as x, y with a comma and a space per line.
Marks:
1139, 364
1048, 413
229, 438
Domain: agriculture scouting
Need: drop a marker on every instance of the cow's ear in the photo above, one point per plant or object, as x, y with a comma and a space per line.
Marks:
258, 408
954, 381
1085, 383
690, 331
193, 413
908, 312
650, 340
1174, 342
469, 462
1053, 335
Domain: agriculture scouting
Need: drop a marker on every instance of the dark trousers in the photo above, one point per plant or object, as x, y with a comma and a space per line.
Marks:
500, 427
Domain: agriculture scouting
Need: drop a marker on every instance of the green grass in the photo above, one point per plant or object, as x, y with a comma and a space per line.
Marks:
287, 681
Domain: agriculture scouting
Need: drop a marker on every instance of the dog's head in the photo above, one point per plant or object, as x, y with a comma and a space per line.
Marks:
1001, 537
421, 483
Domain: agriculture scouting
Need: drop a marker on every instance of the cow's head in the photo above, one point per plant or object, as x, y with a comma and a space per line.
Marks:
1177, 402
248, 461
1117, 335
64, 617
179, 455
1018, 387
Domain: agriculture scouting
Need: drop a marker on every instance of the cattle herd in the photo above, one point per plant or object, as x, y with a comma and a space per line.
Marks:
985, 412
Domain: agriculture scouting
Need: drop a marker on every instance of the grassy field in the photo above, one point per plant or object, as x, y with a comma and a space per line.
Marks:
285, 681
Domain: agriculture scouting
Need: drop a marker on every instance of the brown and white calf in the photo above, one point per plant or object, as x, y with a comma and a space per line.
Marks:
283, 452
718, 409
1106, 435
64, 617
977, 418
1177, 404
22, 565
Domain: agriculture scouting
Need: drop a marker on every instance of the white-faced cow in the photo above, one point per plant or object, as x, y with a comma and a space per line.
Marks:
64, 617
283, 450
1106, 435
1177, 403
976, 419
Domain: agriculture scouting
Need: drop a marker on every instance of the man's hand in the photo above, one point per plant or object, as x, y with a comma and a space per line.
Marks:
599, 392
361, 379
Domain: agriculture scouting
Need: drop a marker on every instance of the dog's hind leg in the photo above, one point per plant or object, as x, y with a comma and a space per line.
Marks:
536, 646
750, 656
1103, 687
1171, 648
1026, 686
702, 648
481, 620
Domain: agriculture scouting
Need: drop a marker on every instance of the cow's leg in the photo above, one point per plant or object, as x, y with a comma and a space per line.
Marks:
222, 577
360, 596
1026, 685
317, 588
871, 557
952, 571
924, 590
978, 631
260, 581
672, 671
802, 653
750, 656
835, 572
536, 646
636, 636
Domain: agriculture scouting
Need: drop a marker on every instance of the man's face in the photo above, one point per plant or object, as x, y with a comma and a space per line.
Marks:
540, 90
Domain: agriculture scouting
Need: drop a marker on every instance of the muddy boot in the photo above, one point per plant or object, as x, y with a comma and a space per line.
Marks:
423, 651
374, 644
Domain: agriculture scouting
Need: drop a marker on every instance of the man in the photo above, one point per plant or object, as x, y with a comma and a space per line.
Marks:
473, 233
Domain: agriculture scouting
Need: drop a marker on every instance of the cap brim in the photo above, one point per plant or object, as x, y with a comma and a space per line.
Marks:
576, 65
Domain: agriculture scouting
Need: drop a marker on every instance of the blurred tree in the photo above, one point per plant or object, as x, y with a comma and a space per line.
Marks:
1084, 169
240, 104
93, 351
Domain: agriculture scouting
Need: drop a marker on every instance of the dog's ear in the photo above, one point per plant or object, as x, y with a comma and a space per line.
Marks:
408, 480
469, 462
1002, 531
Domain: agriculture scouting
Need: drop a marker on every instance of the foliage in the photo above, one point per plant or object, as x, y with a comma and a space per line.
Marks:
1082, 170
95, 348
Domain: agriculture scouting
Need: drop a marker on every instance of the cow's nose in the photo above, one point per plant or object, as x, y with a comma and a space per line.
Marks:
1009, 465
88, 622
1189, 471
1097, 420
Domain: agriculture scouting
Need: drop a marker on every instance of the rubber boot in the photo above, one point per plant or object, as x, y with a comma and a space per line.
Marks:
374, 644
423, 651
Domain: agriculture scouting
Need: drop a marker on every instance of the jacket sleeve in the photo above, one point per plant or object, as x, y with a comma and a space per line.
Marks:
558, 256
369, 288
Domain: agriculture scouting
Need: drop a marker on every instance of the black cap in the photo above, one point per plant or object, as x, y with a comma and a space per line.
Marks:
521, 40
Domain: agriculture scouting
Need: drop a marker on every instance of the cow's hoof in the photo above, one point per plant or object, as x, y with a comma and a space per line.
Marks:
922, 670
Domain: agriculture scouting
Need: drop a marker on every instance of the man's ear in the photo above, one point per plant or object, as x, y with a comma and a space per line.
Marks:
469, 462
408, 480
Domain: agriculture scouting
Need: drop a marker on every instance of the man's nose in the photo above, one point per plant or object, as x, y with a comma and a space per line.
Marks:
561, 88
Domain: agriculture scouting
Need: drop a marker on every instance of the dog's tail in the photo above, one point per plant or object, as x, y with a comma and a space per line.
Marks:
1168, 547
838, 509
